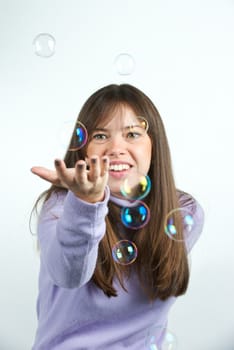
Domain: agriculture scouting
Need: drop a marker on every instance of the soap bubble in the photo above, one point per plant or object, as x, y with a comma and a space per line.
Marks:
44, 45
124, 64
124, 252
187, 220
169, 342
80, 137
159, 338
136, 216
137, 186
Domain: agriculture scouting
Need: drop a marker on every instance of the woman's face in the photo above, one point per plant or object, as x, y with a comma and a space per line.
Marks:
124, 139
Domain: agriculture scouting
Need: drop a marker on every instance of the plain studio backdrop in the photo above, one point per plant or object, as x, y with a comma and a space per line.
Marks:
183, 56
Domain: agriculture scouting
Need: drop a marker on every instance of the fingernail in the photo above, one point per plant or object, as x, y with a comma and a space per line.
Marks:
57, 162
93, 160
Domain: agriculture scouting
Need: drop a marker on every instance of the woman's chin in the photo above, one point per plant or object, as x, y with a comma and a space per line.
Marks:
115, 189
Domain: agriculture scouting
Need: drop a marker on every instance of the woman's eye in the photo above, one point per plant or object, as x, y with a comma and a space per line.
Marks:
99, 137
133, 135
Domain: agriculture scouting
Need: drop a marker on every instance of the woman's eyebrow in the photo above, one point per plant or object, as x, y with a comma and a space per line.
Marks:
127, 127
132, 126
101, 129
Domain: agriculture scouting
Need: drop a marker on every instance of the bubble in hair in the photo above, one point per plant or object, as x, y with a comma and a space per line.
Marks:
124, 252
135, 216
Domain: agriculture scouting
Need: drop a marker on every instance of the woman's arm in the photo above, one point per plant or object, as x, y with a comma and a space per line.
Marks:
69, 232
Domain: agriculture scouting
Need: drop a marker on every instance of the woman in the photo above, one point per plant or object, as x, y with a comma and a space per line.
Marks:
87, 300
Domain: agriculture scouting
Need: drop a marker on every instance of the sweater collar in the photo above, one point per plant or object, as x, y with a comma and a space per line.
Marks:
122, 202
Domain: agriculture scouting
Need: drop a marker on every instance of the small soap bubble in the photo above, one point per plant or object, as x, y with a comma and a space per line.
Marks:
136, 216
79, 137
135, 187
169, 342
152, 345
44, 45
124, 64
124, 252
159, 338
170, 226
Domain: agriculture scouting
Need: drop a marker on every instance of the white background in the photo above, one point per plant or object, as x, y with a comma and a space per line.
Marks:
184, 54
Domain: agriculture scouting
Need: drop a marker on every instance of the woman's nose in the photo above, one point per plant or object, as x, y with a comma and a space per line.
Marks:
117, 146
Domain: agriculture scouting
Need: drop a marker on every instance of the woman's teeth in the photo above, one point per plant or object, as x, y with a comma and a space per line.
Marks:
119, 167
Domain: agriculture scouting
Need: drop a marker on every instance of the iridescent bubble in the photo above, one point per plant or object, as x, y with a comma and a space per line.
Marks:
136, 216
152, 345
187, 222
159, 338
79, 137
136, 186
124, 252
124, 64
169, 342
44, 45
151, 342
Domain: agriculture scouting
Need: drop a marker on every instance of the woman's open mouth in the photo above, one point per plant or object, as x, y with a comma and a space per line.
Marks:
119, 170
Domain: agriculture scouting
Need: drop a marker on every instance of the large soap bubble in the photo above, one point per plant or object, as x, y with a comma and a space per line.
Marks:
187, 223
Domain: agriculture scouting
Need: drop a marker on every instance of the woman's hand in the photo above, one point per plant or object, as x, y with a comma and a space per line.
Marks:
49, 175
89, 185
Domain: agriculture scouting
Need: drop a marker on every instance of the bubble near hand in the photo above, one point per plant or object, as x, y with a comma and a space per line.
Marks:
135, 187
79, 137
124, 252
44, 45
170, 225
136, 216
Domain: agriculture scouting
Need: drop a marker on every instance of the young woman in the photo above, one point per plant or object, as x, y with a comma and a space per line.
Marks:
87, 300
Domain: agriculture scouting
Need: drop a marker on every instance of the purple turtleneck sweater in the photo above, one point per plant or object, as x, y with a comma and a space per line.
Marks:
73, 313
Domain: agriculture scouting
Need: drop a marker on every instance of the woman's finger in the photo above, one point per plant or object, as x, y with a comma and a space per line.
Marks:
65, 175
81, 172
94, 170
47, 174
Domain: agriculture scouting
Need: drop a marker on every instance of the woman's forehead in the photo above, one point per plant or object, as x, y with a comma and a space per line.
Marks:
119, 118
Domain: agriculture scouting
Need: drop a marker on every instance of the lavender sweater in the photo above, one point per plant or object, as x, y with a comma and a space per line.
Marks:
72, 312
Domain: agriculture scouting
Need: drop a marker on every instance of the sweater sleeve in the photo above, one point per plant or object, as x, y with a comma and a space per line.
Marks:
69, 232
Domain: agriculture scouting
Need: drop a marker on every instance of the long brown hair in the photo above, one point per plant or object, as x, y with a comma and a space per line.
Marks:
161, 264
